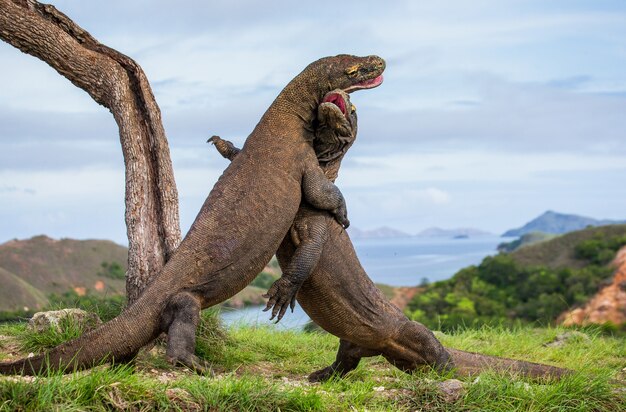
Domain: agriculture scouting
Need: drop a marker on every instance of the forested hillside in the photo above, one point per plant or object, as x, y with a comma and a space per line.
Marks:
535, 284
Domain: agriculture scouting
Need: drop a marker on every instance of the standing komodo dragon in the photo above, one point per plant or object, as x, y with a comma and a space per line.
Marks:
236, 232
321, 267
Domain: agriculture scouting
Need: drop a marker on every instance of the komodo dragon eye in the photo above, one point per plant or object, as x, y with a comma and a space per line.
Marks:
353, 70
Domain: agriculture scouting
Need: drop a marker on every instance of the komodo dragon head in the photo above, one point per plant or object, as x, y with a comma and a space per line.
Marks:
336, 130
302, 96
345, 72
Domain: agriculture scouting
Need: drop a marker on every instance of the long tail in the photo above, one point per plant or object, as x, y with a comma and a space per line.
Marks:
119, 338
469, 363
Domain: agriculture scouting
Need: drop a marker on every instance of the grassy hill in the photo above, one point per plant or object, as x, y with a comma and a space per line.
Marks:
37, 267
534, 284
16, 293
561, 251
525, 240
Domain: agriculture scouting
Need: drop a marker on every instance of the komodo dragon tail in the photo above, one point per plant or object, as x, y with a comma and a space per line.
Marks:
116, 340
469, 363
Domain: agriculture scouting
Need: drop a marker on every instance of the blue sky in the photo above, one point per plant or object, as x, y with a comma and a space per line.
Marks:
491, 112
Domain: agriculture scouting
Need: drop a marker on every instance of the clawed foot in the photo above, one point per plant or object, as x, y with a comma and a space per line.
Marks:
192, 362
322, 374
282, 294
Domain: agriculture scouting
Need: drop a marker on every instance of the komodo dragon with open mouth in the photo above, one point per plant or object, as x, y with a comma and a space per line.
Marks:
321, 268
238, 229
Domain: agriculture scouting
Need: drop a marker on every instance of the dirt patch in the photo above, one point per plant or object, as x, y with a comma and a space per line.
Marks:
403, 295
10, 348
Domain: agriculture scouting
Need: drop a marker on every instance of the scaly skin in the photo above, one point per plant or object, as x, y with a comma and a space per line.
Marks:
321, 267
236, 232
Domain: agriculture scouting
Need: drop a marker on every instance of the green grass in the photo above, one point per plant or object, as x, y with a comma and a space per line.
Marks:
261, 369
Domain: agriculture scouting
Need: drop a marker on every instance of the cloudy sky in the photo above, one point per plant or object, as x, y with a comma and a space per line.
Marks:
491, 112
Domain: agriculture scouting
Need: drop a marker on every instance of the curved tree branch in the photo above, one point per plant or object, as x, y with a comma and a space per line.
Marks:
119, 84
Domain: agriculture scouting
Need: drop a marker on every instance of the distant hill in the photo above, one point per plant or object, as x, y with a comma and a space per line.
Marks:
558, 223
525, 240
560, 251
32, 269
458, 233
378, 233
16, 293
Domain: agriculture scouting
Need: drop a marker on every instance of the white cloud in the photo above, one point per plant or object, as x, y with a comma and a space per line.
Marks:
490, 111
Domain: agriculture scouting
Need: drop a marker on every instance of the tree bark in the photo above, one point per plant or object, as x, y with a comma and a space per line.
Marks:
118, 83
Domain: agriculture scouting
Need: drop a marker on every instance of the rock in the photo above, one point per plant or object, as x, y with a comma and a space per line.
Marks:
568, 337
60, 319
451, 390
607, 306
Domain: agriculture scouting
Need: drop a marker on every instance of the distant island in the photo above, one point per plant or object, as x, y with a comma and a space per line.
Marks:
459, 233
558, 223
378, 233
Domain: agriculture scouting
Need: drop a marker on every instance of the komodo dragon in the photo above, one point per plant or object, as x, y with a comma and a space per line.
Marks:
321, 267
236, 232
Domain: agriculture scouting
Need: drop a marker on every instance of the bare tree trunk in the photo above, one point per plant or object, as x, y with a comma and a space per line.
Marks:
118, 83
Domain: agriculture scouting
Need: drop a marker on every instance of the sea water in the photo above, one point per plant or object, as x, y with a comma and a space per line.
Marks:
407, 261
393, 261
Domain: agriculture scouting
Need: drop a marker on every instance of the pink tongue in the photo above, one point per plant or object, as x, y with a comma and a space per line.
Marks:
337, 100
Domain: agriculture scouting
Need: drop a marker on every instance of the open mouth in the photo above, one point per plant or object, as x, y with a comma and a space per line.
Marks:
337, 100
366, 84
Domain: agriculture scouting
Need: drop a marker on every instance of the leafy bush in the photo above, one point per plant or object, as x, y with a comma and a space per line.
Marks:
599, 250
264, 280
112, 270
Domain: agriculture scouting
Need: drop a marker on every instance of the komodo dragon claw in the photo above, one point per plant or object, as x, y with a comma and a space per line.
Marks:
282, 295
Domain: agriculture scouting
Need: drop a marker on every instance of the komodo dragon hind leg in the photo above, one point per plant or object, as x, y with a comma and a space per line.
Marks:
181, 317
348, 357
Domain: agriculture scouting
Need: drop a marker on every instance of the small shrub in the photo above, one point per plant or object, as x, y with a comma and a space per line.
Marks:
34, 341
264, 280
112, 270
106, 307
